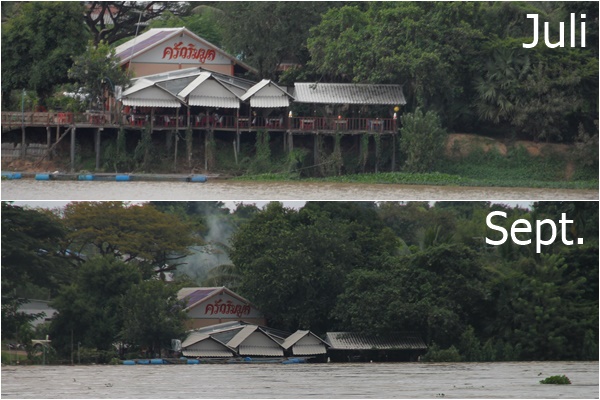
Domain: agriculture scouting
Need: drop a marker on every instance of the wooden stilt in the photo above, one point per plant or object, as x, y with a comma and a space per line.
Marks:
73, 133
97, 147
393, 152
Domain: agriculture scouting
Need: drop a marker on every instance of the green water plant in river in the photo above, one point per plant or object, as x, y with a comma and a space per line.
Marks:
556, 380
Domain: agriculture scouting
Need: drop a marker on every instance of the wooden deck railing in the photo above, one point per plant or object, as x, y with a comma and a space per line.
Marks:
298, 124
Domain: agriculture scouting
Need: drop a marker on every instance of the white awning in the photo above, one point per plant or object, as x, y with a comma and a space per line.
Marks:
207, 353
210, 101
269, 101
308, 349
249, 350
164, 103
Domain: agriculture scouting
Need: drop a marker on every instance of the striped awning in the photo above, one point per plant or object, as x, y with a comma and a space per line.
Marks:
207, 353
210, 101
269, 351
308, 349
161, 103
269, 101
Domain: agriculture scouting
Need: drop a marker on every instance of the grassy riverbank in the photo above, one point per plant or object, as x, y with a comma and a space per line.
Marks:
435, 179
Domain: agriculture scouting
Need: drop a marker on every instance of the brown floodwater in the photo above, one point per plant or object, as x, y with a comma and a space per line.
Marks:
374, 380
29, 189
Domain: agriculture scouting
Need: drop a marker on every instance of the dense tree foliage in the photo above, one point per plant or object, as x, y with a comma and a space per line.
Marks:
152, 315
139, 234
38, 43
465, 61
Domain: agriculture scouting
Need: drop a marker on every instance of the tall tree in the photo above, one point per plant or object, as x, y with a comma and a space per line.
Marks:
88, 308
135, 233
291, 261
152, 315
38, 45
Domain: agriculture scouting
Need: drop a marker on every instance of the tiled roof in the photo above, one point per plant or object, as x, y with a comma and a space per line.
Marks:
357, 341
132, 47
348, 93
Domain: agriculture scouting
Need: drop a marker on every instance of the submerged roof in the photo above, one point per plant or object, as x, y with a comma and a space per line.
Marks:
358, 341
348, 93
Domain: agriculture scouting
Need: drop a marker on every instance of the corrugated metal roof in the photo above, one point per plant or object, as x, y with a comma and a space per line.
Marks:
293, 338
242, 335
357, 341
309, 349
130, 48
268, 351
348, 93
269, 101
194, 337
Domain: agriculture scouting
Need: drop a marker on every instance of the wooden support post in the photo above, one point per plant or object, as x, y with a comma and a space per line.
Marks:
206, 150
237, 130
290, 141
393, 152
175, 155
97, 147
316, 149
73, 131
48, 138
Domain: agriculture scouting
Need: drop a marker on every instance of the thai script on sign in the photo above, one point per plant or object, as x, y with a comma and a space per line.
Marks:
189, 52
227, 308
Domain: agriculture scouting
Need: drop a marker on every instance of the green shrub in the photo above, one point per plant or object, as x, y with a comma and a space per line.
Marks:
556, 380
422, 140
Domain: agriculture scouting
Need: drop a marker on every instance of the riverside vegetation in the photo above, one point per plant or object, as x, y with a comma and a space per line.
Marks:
364, 267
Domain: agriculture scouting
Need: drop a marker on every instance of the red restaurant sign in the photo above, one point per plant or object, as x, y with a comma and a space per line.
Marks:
189, 52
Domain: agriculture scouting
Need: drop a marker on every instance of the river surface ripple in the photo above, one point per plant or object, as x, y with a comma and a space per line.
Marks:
29, 189
374, 380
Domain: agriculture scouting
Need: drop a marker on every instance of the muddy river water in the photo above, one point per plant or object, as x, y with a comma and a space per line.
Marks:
29, 189
374, 380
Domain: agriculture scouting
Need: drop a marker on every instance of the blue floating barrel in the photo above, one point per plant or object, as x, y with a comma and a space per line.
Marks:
157, 361
128, 362
143, 362
85, 177
12, 175
193, 361
42, 177
122, 178
197, 178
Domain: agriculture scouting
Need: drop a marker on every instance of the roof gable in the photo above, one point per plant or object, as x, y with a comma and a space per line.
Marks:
174, 46
216, 303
